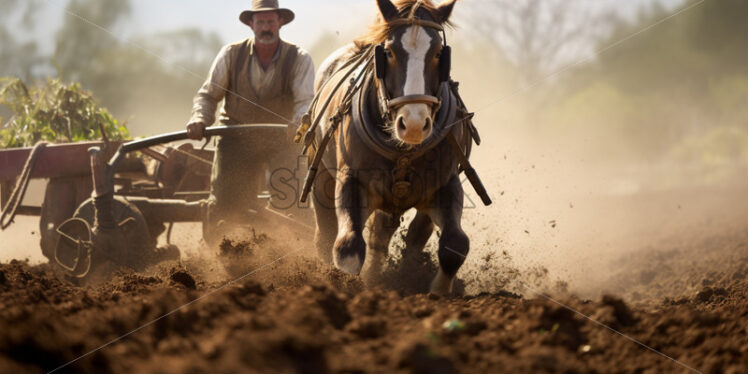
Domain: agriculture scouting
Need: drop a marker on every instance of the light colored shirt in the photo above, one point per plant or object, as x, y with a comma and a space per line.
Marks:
216, 85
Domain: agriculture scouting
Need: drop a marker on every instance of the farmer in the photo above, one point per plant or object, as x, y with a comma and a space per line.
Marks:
261, 80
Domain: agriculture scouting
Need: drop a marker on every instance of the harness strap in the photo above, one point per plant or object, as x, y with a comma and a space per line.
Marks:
453, 86
413, 99
314, 166
335, 122
400, 181
415, 21
310, 127
470, 172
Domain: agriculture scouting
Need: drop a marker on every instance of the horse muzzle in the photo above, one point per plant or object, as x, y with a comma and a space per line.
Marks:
414, 117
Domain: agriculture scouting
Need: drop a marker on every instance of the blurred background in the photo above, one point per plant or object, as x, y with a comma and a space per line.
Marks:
604, 122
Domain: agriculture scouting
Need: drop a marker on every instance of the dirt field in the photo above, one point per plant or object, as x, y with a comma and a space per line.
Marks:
681, 290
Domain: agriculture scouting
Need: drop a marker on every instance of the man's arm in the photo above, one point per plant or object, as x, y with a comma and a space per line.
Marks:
303, 85
210, 94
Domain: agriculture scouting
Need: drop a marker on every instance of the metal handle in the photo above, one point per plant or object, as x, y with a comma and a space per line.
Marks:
208, 132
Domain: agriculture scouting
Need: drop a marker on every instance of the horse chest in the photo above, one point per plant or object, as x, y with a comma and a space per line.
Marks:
405, 183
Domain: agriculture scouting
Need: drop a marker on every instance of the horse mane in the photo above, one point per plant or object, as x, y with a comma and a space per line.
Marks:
380, 30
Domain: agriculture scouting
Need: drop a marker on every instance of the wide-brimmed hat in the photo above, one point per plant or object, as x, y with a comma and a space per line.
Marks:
266, 6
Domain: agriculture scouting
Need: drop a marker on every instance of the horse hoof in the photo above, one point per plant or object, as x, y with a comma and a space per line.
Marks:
350, 264
442, 283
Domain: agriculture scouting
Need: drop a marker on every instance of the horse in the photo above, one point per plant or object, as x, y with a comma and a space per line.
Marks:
392, 135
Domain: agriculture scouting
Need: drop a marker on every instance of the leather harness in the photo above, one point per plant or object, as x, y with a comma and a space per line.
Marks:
448, 109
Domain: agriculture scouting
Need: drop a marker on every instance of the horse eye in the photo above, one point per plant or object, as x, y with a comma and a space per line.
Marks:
388, 53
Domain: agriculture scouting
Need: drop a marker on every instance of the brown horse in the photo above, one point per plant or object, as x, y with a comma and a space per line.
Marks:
392, 110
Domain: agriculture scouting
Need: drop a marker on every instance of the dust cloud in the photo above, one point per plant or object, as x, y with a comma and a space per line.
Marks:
589, 160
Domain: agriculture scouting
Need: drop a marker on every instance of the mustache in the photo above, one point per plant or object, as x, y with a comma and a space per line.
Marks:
267, 33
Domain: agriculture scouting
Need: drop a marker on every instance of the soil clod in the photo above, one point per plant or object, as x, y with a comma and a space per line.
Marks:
184, 278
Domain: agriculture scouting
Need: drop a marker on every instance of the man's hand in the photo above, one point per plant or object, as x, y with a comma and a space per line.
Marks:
304, 123
195, 130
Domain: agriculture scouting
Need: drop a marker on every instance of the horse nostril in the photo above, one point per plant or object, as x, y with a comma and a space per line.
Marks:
400, 124
427, 126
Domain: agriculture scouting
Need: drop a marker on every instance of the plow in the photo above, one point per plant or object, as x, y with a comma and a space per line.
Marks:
105, 204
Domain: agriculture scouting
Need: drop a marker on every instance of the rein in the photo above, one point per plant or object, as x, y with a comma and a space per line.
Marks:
335, 120
308, 128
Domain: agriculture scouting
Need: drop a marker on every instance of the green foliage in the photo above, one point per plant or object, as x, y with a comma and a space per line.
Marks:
149, 78
53, 112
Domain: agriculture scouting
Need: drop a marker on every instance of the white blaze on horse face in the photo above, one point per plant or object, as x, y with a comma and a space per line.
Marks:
413, 121
416, 42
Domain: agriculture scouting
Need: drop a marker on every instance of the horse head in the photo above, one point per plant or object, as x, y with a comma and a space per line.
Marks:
411, 66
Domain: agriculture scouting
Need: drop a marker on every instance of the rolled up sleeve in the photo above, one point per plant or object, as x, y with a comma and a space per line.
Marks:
213, 90
303, 85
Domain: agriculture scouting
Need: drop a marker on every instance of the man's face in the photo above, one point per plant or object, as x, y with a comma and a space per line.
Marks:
265, 26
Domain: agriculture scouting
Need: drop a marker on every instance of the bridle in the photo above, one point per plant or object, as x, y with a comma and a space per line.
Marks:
386, 104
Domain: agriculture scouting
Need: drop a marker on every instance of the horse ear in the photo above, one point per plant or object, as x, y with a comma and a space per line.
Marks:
389, 11
445, 9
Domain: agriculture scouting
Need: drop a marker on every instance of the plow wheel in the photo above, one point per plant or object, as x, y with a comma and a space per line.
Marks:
58, 206
74, 247
130, 244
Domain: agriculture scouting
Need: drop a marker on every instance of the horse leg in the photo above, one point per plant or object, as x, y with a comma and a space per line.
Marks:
349, 250
324, 212
381, 228
419, 232
446, 211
